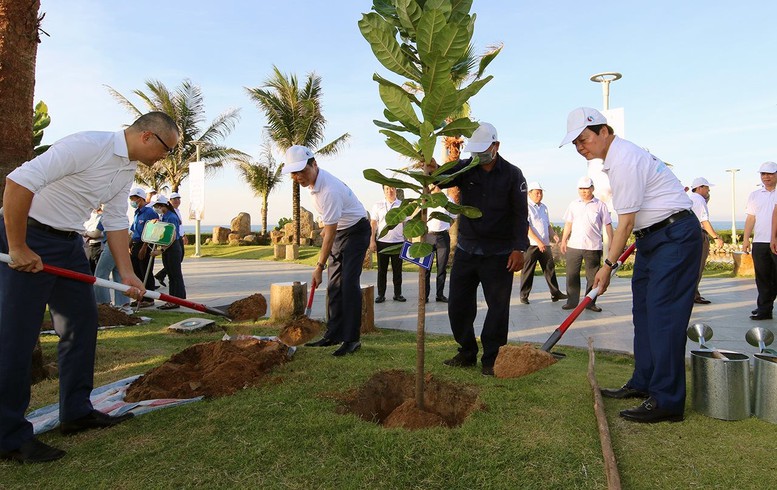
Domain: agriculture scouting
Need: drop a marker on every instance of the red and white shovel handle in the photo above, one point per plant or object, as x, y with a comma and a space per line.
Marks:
309, 308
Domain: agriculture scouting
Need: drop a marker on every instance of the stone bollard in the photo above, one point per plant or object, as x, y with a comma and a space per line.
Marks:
292, 251
280, 251
368, 309
743, 264
287, 299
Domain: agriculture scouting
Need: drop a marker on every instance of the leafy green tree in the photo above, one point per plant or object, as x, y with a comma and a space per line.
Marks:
425, 42
262, 177
294, 117
186, 105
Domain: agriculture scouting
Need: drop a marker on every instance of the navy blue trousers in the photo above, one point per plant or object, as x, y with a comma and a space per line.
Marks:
765, 265
171, 259
344, 287
467, 273
663, 285
23, 300
442, 249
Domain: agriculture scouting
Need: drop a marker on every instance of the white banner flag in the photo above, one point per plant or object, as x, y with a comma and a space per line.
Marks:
197, 191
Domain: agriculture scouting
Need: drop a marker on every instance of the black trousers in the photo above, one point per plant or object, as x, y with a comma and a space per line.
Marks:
162, 274
575, 257
396, 269
532, 256
171, 259
442, 249
344, 286
468, 272
765, 265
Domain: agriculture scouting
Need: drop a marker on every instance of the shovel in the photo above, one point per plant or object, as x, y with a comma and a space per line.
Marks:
309, 308
556, 336
78, 276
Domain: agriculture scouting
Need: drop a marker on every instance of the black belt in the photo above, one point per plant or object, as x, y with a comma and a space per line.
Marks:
657, 226
440, 232
33, 223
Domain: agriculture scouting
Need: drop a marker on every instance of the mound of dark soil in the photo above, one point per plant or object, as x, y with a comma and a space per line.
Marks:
299, 330
250, 308
516, 361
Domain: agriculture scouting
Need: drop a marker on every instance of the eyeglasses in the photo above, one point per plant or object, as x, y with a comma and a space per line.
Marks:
169, 150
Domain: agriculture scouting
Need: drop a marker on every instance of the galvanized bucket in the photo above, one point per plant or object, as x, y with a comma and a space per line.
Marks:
721, 384
765, 387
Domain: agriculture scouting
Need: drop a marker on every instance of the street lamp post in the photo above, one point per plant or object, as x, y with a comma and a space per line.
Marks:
197, 221
733, 205
605, 78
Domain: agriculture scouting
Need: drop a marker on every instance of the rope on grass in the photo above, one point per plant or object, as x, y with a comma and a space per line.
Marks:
610, 464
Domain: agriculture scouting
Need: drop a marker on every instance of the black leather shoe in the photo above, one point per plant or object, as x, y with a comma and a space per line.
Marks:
593, 308
160, 279
701, 301
380, 299
442, 299
322, 342
460, 360
347, 348
33, 451
558, 297
649, 413
525, 301
93, 420
487, 371
400, 298
754, 312
761, 316
624, 391
568, 307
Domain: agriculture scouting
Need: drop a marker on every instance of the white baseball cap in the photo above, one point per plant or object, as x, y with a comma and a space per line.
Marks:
137, 191
535, 186
584, 182
162, 199
296, 158
768, 168
578, 120
700, 181
175, 195
483, 137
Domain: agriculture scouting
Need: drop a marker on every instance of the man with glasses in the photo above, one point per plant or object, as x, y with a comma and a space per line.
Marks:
46, 202
759, 208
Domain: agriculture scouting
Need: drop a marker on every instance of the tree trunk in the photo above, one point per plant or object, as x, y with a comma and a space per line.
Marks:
295, 211
264, 214
18, 49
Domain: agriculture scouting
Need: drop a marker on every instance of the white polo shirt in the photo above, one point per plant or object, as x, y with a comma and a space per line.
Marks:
699, 207
760, 203
335, 202
436, 225
588, 221
642, 184
539, 222
77, 174
378, 213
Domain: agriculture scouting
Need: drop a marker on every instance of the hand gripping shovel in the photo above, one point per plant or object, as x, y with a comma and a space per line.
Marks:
556, 336
58, 271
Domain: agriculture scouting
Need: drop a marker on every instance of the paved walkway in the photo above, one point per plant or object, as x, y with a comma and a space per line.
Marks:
218, 282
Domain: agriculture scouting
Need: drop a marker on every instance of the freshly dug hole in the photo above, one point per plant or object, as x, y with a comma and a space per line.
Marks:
516, 361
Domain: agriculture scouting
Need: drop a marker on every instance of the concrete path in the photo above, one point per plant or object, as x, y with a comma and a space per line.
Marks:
217, 282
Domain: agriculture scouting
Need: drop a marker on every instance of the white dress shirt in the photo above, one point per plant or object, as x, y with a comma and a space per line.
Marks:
378, 213
539, 222
760, 204
588, 219
335, 201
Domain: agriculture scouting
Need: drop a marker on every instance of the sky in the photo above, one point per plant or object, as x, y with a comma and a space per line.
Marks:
698, 87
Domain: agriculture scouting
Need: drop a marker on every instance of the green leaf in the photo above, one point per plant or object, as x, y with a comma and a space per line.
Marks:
427, 141
393, 250
470, 90
443, 179
444, 5
392, 127
431, 23
397, 101
418, 176
419, 250
486, 59
438, 200
409, 12
384, 7
460, 127
440, 98
400, 145
442, 217
401, 213
383, 81
414, 228
381, 37
468, 211
373, 175
459, 9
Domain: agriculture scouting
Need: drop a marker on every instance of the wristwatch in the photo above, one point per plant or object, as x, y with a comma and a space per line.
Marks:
319, 264
608, 263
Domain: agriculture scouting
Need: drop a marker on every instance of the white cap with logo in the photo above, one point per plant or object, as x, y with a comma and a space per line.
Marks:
137, 191
295, 159
175, 195
483, 137
768, 168
585, 182
535, 186
700, 181
578, 120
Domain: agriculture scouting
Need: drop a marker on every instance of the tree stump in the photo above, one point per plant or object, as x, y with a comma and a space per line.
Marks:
743, 264
368, 309
279, 251
367, 264
287, 300
292, 251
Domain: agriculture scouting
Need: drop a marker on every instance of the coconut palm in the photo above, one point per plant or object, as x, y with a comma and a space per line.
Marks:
262, 177
186, 106
294, 117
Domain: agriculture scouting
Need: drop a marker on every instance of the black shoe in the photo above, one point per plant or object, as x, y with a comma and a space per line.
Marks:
701, 301
593, 307
525, 301
460, 360
487, 371
93, 420
161, 279
347, 348
761, 316
33, 451
624, 391
568, 307
649, 413
442, 299
558, 297
322, 342
754, 312
380, 299
400, 298
427, 300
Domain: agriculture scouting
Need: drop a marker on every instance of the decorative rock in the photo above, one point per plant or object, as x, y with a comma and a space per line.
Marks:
280, 251
292, 252
241, 224
249, 240
220, 235
234, 239
276, 236
743, 264
287, 300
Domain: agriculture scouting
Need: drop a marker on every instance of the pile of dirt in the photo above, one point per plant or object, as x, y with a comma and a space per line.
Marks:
516, 361
299, 330
210, 369
388, 399
250, 308
108, 316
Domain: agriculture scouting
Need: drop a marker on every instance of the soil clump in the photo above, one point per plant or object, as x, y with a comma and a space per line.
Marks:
251, 308
299, 330
210, 369
516, 361
107, 316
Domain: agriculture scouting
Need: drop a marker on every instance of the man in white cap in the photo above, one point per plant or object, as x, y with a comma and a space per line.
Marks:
651, 202
346, 238
759, 209
585, 220
700, 195
490, 248
540, 235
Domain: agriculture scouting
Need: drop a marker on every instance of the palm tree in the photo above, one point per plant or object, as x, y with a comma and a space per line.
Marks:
262, 177
294, 117
186, 106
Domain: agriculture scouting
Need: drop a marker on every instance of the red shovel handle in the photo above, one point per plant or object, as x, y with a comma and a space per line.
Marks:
310, 298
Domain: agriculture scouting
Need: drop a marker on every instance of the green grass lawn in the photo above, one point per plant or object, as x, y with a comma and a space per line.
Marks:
535, 432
